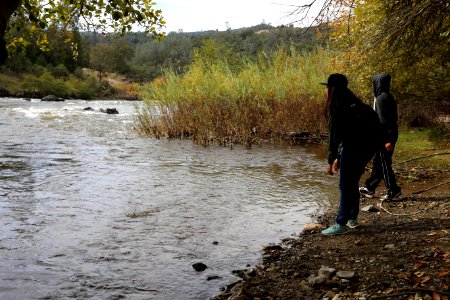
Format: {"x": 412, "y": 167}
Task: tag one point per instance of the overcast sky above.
{"x": 201, "y": 15}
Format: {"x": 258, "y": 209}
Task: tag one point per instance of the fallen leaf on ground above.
{"x": 426, "y": 279}
{"x": 419, "y": 273}
{"x": 443, "y": 274}
{"x": 418, "y": 264}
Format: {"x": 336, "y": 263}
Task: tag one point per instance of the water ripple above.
{"x": 91, "y": 210}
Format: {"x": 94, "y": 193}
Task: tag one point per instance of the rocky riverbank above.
{"x": 400, "y": 251}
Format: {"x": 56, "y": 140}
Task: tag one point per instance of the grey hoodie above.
{"x": 386, "y": 107}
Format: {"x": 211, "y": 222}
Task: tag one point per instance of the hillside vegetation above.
{"x": 252, "y": 84}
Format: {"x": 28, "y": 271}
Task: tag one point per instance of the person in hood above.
{"x": 386, "y": 108}
{"x": 349, "y": 119}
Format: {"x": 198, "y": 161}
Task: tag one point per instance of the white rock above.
{"x": 346, "y": 274}
{"x": 313, "y": 227}
{"x": 369, "y": 208}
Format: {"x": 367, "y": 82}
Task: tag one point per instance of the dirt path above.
{"x": 401, "y": 251}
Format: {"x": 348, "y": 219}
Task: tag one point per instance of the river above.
{"x": 88, "y": 209}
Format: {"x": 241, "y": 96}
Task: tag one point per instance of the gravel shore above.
{"x": 401, "y": 250}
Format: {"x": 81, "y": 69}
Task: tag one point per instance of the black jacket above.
{"x": 350, "y": 121}
{"x": 386, "y": 107}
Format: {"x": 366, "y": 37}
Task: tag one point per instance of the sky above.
{"x": 202, "y": 15}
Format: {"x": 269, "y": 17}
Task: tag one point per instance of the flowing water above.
{"x": 88, "y": 209}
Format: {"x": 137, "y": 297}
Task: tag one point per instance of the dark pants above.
{"x": 352, "y": 165}
{"x": 382, "y": 170}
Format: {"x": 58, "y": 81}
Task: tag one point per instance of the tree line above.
{"x": 407, "y": 38}
{"x": 143, "y": 57}
{"x": 138, "y": 56}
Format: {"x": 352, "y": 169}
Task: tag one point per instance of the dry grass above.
{"x": 215, "y": 102}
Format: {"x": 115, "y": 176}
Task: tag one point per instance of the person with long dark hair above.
{"x": 349, "y": 121}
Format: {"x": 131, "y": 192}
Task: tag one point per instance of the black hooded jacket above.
{"x": 386, "y": 107}
{"x": 349, "y": 121}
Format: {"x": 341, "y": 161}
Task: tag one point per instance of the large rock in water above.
{"x": 199, "y": 267}
{"x": 52, "y": 98}
{"x": 109, "y": 111}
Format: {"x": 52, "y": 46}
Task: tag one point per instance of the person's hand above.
{"x": 330, "y": 169}
{"x": 389, "y": 147}
{"x": 334, "y": 166}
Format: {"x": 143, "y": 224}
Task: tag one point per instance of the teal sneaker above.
{"x": 335, "y": 229}
{"x": 352, "y": 223}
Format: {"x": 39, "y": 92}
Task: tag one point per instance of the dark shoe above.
{"x": 391, "y": 196}
{"x": 365, "y": 192}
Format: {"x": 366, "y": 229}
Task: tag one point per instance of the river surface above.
{"x": 88, "y": 209}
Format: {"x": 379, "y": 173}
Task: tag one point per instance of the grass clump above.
{"x": 227, "y": 99}
{"x": 422, "y": 153}
{"x": 423, "y": 148}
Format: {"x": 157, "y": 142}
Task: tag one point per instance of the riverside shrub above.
{"x": 217, "y": 102}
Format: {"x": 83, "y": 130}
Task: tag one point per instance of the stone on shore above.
{"x": 313, "y": 227}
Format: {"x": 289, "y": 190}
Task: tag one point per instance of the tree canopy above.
{"x": 408, "y": 38}
{"x": 21, "y": 20}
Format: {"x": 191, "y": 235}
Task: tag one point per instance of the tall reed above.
{"x": 220, "y": 101}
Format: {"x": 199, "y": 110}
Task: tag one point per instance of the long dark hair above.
{"x": 338, "y": 96}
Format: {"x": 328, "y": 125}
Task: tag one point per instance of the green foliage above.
{"x": 78, "y": 73}
{"x": 144, "y": 58}
{"x": 176, "y": 51}
{"x": 20, "y": 62}
{"x": 415, "y": 143}
{"x": 32, "y": 18}
{"x": 30, "y": 85}
{"x": 60, "y": 53}
{"x": 60, "y": 71}
{"x": 216, "y": 101}
{"x": 87, "y": 88}
{"x": 100, "y": 58}
{"x": 405, "y": 38}
{"x": 45, "y": 84}
{"x": 8, "y": 83}
{"x": 38, "y": 70}
{"x": 440, "y": 136}
{"x": 121, "y": 53}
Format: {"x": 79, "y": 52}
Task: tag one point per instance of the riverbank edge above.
{"x": 265, "y": 280}
{"x": 130, "y": 99}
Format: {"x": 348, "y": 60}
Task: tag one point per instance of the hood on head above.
{"x": 381, "y": 83}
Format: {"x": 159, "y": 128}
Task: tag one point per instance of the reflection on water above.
{"x": 89, "y": 209}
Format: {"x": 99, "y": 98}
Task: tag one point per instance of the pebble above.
{"x": 389, "y": 246}
{"x": 329, "y": 295}
{"x": 370, "y": 208}
{"x": 346, "y": 274}
{"x": 317, "y": 280}
{"x": 326, "y": 271}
